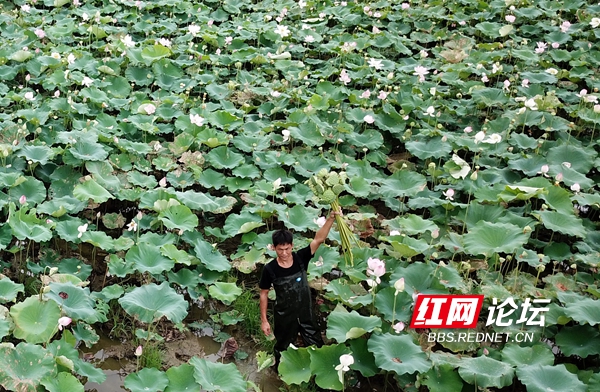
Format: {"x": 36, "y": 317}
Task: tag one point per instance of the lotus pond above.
{"x": 149, "y": 148}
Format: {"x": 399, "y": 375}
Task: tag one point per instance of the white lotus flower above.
{"x": 493, "y": 139}
{"x": 320, "y": 221}
{"x": 196, "y": 119}
{"x": 399, "y": 286}
{"x": 132, "y": 226}
{"x": 29, "y": 96}
{"x": 128, "y": 41}
{"x": 595, "y": 22}
{"x": 163, "y": 182}
{"x": 82, "y": 229}
{"x": 277, "y": 184}
{"x": 429, "y": 112}
{"x": 282, "y": 30}
{"x": 193, "y": 29}
{"x": 345, "y": 361}
{"x": 421, "y": 71}
{"x": 87, "y": 82}
{"x": 71, "y": 58}
{"x": 375, "y": 63}
{"x": 479, "y": 136}
{"x": 150, "y": 108}
{"x": 286, "y": 135}
{"x": 552, "y": 71}
{"x": 369, "y": 119}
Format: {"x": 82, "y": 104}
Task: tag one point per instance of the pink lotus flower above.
{"x": 449, "y": 194}
{"x": 398, "y": 327}
{"x": 22, "y": 199}
{"x": 138, "y": 351}
{"x": 40, "y": 33}
{"x": 510, "y": 18}
{"x": 375, "y": 268}
{"x": 369, "y": 119}
{"x": 63, "y": 322}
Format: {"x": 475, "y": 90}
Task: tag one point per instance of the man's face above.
{"x": 284, "y": 252}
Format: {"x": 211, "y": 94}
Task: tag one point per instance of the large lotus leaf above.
{"x": 545, "y": 378}
{"x": 35, "y": 321}
{"x": 225, "y": 292}
{"x": 26, "y": 225}
{"x": 476, "y": 212}
{"x": 151, "y": 302}
{"x": 402, "y": 183}
{"x": 90, "y": 189}
{"x": 177, "y": 255}
{"x": 224, "y": 120}
{"x": 242, "y": 223}
{"x": 323, "y": 361}
{"x": 486, "y": 372}
{"x": 294, "y": 367}
{"x": 417, "y": 276}
{"x": 74, "y": 301}
{"x": 63, "y": 382}
{"x": 364, "y": 361}
{"x": 205, "y": 202}
{"x": 343, "y": 326}
{"x": 534, "y": 355}
{"x": 249, "y": 259}
{"x": 559, "y": 199}
{"x": 9, "y": 290}
{"x": 181, "y": 379}
{"x": 442, "y": 378}
{"x": 155, "y": 52}
{"x": 23, "y": 367}
{"x": 209, "y": 256}
{"x": 580, "y": 340}
{"x": 179, "y": 217}
{"x": 98, "y": 239}
{"x": 5, "y": 236}
{"x": 88, "y": 151}
{"x": 34, "y": 190}
{"x": 562, "y": 223}
{"x": 580, "y": 157}
{"x": 398, "y": 354}
{"x": 487, "y": 238}
{"x": 410, "y": 224}
{"x": 409, "y": 246}
{"x": 579, "y": 308}
{"x": 299, "y": 217}
{"x": 369, "y": 138}
{"x": 147, "y": 258}
{"x": 224, "y": 158}
{"x": 384, "y": 302}
{"x": 147, "y": 379}
{"x": 60, "y": 206}
{"x": 217, "y": 376}
{"x": 431, "y": 148}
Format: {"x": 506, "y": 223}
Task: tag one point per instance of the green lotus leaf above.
{"x": 26, "y": 225}
{"x": 224, "y": 120}
{"x": 63, "y": 382}
{"x": 408, "y": 246}
{"x": 364, "y": 361}
{"x": 179, "y": 256}
{"x": 35, "y": 321}
{"x": 21, "y": 55}
{"x": 562, "y": 223}
{"x": 5, "y": 236}
{"x": 34, "y": 190}
{"x": 294, "y": 367}
{"x": 85, "y": 333}
{"x": 490, "y": 96}
{"x": 113, "y": 291}
{"x": 90, "y": 189}
{"x": 217, "y": 376}
{"x": 350, "y": 295}
{"x": 40, "y": 154}
{"x": 402, "y": 183}
{"x": 398, "y": 354}
{"x": 181, "y": 378}
{"x": 417, "y": 276}
{"x": 88, "y": 151}
{"x": 147, "y": 379}
{"x": 151, "y": 302}
{"x": 384, "y": 302}
{"x": 225, "y": 292}
{"x": 224, "y": 158}
{"x": 248, "y": 259}
{"x": 24, "y": 366}
{"x": 488, "y": 238}
{"x": 147, "y": 258}
{"x": 486, "y": 372}
{"x": 431, "y": 148}
{"x": 99, "y": 239}
{"x": 535, "y": 355}
{"x": 179, "y": 217}
{"x": 544, "y": 378}
{"x": 74, "y": 301}
{"x": 155, "y": 52}
{"x": 243, "y": 223}
{"x": 442, "y": 378}
{"x": 246, "y": 171}
{"x": 369, "y": 138}
{"x": 61, "y": 206}
{"x": 410, "y": 224}
{"x": 9, "y": 290}
{"x": 359, "y": 187}
{"x": 476, "y": 212}
{"x": 323, "y": 361}
{"x": 581, "y": 158}
{"x": 343, "y": 326}
{"x": 580, "y": 308}
{"x": 580, "y": 340}
{"x": 299, "y": 217}
{"x": 209, "y": 256}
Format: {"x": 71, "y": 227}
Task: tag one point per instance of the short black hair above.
{"x": 282, "y": 237}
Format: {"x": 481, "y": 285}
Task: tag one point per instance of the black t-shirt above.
{"x": 300, "y": 258}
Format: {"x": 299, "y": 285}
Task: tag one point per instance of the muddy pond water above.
{"x": 115, "y": 359}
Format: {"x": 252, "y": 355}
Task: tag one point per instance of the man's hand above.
{"x": 266, "y": 328}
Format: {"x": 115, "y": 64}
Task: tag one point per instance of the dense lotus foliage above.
{"x": 149, "y": 148}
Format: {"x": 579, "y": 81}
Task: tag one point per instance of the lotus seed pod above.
{"x": 322, "y": 173}
{"x": 337, "y": 189}
{"x": 333, "y": 179}
{"x": 328, "y": 196}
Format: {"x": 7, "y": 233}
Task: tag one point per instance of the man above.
{"x": 293, "y": 305}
